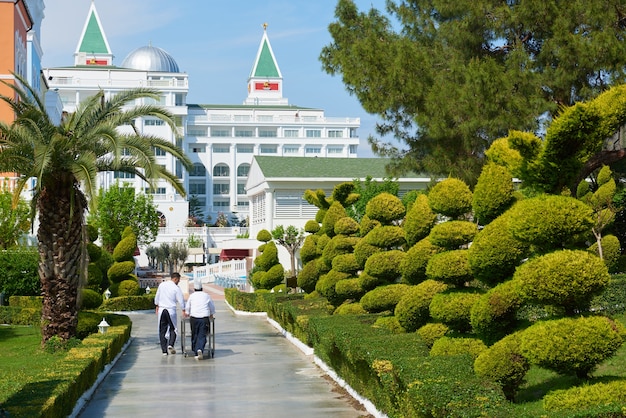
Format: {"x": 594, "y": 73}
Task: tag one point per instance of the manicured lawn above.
{"x": 23, "y": 364}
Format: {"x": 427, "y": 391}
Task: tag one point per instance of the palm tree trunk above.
{"x": 62, "y": 257}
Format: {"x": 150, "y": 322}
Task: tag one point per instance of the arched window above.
{"x": 243, "y": 170}
{"x": 198, "y": 170}
{"x": 221, "y": 170}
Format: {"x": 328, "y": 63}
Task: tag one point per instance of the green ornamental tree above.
{"x": 64, "y": 160}
{"x": 14, "y": 219}
{"x": 291, "y": 239}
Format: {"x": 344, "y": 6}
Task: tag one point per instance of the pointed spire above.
{"x": 265, "y": 83}
{"x": 93, "y": 47}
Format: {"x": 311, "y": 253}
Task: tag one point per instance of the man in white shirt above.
{"x": 200, "y": 308}
{"x": 167, "y": 297}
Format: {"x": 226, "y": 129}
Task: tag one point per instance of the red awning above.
{"x": 234, "y": 254}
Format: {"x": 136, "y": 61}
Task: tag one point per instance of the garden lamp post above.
{"x": 107, "y": 294}
{"x": 103, "y": 326}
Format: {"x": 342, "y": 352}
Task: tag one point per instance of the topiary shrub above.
{"x": 450, "y": 197}
{"x": 452, "y": 235}
{"x": 94, "y": 277}
{"x": 494, "y": 253}
{"x": 387, "y": 237}
{"x": 368, "y": 282}
{"x": 413, "y": 267}
{"x": 453, "y": 308}
{"x": 272, "y": 277}
{"x": 120, "y": 271}
{"x": 385, "y": 208}
{"x": 334, "y": 213}
{"x": 412, "y": 309}
{"x": 268, "y": 258}
{"x": 90, "y": 299}
{"x": 419, "y": 220}
{"x": 367, "y": 225}
{"x": 363, "y": 251}
{"x": 503, "y": 363}
{"x": 583, "y": 397}
{"x": 94, "y": 252}
{"x": 125, "y": 249}
{"x": 264, "y": 235}
{"x": 493, "y": 193}
{"x": 565, "y": 278}
{"x": 550, "y": 221}
{"x": 339, "y": 244}
{"x": 385, "y": 265}
{"x": 308, "y": 251}
{"x": 346, "y": 263}
{"x": 389, "y": 323}
{"x": 311, "y": 226}
{"x": 354, "y": 308}
{"x": 308, "y": 276}
{"x": 572, "y": 345}
{"x": 448, "y": 346}
{"x": 349, "y": 289}
{"x": 346, "y": 226}
{"x": 326, "y": 286}
{"x": 383, "y": 298}
{"x": 450, "y": 267}
{"x": 611, "y": 252}
{"x": 129, "y": 288}
{"x": 432, "y": 332}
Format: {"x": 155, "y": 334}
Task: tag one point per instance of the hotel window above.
{"x": 245, "y": 149}
{"x": 220, "y": 132}
{"x": 313, "y": 150}
{"x": 198, "y": 170}
{"x": 197, "y": 148}
{"x": 243, "y": 170}
{"x": 154, "y": 122}
{"x": 267, "y": 133}
{"x": 179, "y": 99}
{"x": 221, "y": 170}
{"x": 291, "y": 149}
{"x": 241, "y": 188}
{"x": 243, "y": 204}
{"x": 221, "y": 188}
{"x": 158, "y": 152}
{"x": 335, "y": 150}
{"x": 313, "y": 133}
{"x": 291, "y": 133}
{"x": 334, "y": 133}
{"x": 221, "y": 148}
{"x": 242, "y": 118}
{"x": 123, "y": 175}
{"x": 196, "y": 131}
{"x": 353, "y": 149}
{"x": 353, "y": 133}
{"x": 220, "y": 204}
{"x": 197, "y": 187}
{"x": 156, "y": 191}
{"x": 269, "y": 149}
{"x": 243, "y": 133}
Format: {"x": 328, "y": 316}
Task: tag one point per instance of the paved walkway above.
{"x": 256, "y": 372}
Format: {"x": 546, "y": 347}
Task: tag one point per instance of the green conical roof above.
{"x": 93, "y": 41}
{"x": 266, "y": 66}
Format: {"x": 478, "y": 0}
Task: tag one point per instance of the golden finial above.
{"x": 264, "y": 26}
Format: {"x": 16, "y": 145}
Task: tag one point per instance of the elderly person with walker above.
{"x": 200, "y": 309}
{"x": 167, "y": 297}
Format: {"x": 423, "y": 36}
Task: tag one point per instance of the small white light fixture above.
{"x": 103, "y": 326}
{"x": 107, "y": 294}
{"x": 147, "y": 290}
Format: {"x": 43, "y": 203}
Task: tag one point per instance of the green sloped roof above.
{"x": 93, "y": 40}
{"x": 350, "y": 168}
{"x": 266, "y": 67}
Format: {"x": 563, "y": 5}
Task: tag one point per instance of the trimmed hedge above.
{"x": 582, "y": 397}
{"x": 453, "y": 308}
{"x": 448, "y": 346}
{"x": 432, "y": 332}
{"x": 128, "y": 303}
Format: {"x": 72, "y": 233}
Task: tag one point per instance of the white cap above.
{"x": 197, "y": 285}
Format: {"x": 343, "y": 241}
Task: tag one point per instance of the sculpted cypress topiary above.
{"x": 451, "y": 197}
{"x": 383, "y": 298}
{"x": 419, "y": 220}
{"x": 385, "y": 208}
{"x": 453, "y": 234}
{"x": 450, "y": 267}
{"x": 413, "y": 309}
{"x": 493, "y": 193}
{"x": 453, "y": 308}
{"x": 413, "y": 266}
{"x": 385, "y": 266}
{"x": 448, "y": 346}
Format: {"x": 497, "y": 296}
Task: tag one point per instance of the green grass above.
{"x": 23, "y": 363}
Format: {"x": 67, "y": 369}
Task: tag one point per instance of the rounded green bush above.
{"x": 345, "y": 263}
{"x": 453, "y": 308}
{"x": 503, "y": 363}
{"x": 451, "y": 197}
{"x": 450, "y": 267}
{"x": 273, "y": 277}
{"x": 412, "y": 309}
{"x": 413, "y": 267}
{"x": 387, "y": 237}
{"x": 308, "y": 251}
{"x": 311, "y": 226}
{"x": 326, "y": 286}
{"x": 448, "y": 346}
{"x": 432, "y": 332}
{"x": 550, "y": 221}
{"x": 452, "y": 235}
{"x": 346, "y": 226}
{"x": 94, "y": 251}
{"x": 90, "y": 299}
{"x": 319, "y": 215}
{"x": 419, "y": 220}
{"x": 363, "y": 251}
{"x": 611, "y": 252}
{"x": 494, "y": 314}
{"x": 94, "y": 277}
{"x": 125, "y": 249}
{"x": 92, "y": 233}
{"x": 308, "y": 276}
{"x": 339, "y": 244}
{"x": 127, "y": 232}
{"x": 367, "y": 225}
{"x": 129, "y": 288}
{"x": 383, "y": 298}
{"x": 385, "y": 265}
{"x": 268, "y": 258}
{"x": 368, "y": 282}
{"x": 494, "y": 253}
{"x": 264, "y": 235}
{"x": 572, "y": 345}
{"x": 354, "y": 308}
{"x": 580, "y": 398}
{"x": 349, "y": 289}
{"x": 120, "y": 271}
{"x": 389, "y": 323}
{"x": 385, "y": 208}
{"x": 567, "y": 278}
{"x": 493, "y": 193}
{"x": 334, "y": 213}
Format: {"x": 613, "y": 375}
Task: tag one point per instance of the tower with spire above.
{"x": 93, "y": 46}
{"x": 265, "y": 83}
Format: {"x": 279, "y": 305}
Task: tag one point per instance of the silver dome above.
{"x": 150, "y": 58}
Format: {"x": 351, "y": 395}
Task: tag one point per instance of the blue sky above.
{"x": 215, "y": 42}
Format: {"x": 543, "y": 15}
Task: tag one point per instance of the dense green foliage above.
{"x": 493, "y": 193}
{"x": 453, "y": 234}
{"x": 14, "y": 219}
{"x": 412, "y": 309}
{"x": 451, "y": 197}
{"x": 18, "y": 272}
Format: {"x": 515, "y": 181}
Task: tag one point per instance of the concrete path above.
{"x": 256, "y": 372}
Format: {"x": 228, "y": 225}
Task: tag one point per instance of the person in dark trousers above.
{"x": 200, "y": 309}
{"x": 168, "y": 296}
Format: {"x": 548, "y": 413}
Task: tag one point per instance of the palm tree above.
{"x": 64, "y": 160}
